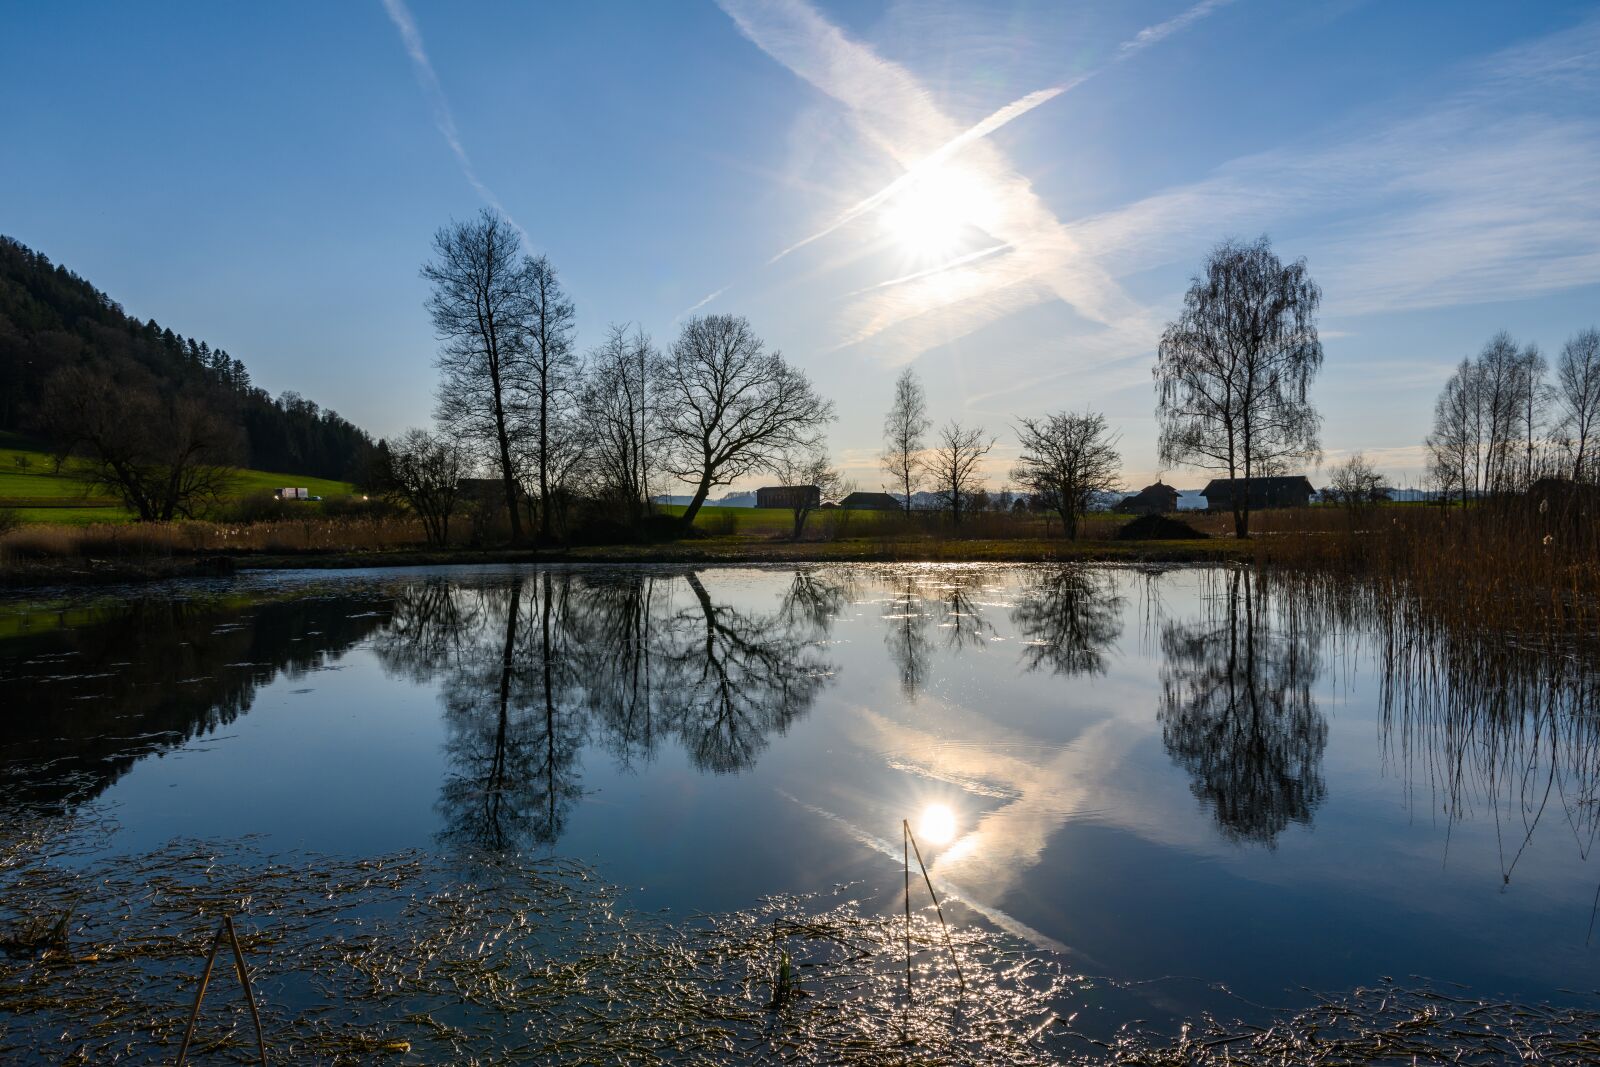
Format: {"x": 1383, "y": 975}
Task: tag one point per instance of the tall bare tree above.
{"x": 1578, "y": 393}
{"x": 481, "y": 310}
{"x": 955, "y": 465}
{"x": 618, "y": 404}
{"x": 551, "y": 384}
{"x": 425, "y": 471}
{"x": 1234, "y": 370}
{"x": 1488, "y": 421}
{"x": 729, "y": 407}
{"x": 1454, "y": 447}
{"x": 1066, "y": 460}
{"x": 904, "y": 434}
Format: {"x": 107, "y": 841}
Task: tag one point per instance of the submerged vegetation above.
{"x": 414, "y": 958}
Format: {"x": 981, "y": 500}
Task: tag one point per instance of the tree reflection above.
{"x": 512, "y": 739}
{"x": 738, "y": 679}
{"x": 534, "y": 669}
{"x": 905, "y": 635}
{"x": 91, "y": 691}
{"x": 1237, "y": 711}
{"x": 1069, "y": 617}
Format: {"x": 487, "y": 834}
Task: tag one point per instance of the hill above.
{"x": 52, "y": 320}
{"x": 35, "y": 491}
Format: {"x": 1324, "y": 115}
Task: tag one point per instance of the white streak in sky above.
{"x": 1016, "y": 109}
{"x": 959, "y": 261}
{"x": 802, "y": 21}
{"x": 411, "y": 37}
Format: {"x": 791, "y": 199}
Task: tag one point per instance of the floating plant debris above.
{"x": 420, "y": 958}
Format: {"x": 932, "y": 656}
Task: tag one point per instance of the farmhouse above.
{"x": 870, "y": 502}
{"x": 1293, "y": 491}
{"x": 788, "y": 496}
{"x": 1157, "y": 499}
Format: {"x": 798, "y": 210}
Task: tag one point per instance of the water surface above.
{"x": 1195, "y": 776}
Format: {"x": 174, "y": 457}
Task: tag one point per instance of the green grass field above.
{"x": 32, "y": 489}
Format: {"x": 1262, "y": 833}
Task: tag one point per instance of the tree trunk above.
{"x": 700, "y": 494}
{"x": 544, "y": 460}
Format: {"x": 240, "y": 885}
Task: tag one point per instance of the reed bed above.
{"x": 1516, "y": 566}
{"x": 414, "y": 958}
{"x": 146, "y": 540}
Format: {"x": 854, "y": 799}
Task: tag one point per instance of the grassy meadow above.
{"x": 34, "y": 491}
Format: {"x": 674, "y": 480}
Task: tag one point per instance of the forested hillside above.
{"x": 53, "y": 321}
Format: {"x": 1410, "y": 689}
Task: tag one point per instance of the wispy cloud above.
{"x": 1489, "y": 193}
{"x": 443, "y": 118}
{"x": 901, "y": 117}
{"x": 894, "y": 111}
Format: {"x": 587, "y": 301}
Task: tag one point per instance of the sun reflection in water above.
{"x": 936, "y": 825}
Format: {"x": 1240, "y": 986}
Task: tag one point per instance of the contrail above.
{"x": 400, "y": 15}
{"x": 1146, "y": 37}
{"x": 959, "y": 261}
{"x": 1016, "y": 109}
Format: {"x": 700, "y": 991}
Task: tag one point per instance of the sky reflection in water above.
{"x": 1191, "y": 773}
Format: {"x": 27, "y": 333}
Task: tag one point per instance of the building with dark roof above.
{"x": 1292, "y": 491}
{"x": 871, "y": 502}
{"x": 1157, "y": 499}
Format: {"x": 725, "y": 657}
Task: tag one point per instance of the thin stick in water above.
{"x": 948, "y": 944}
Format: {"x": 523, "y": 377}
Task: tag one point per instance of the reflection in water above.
{"x": 537, "y": 667}
{"x": 905, "y": 633}
{"x": 1237, "y": 712}
{"x": 1492, "y": 727}
{"x": 936, "y": 825}
{"x": 539, "y": 671}
{"x": 88, "y": 694}
{"x": 1068, "y": 618}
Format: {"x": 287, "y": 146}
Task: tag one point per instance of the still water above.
{"x": 1187, "y": 777}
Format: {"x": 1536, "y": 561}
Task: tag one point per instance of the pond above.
{"x": 1188, "y": 780}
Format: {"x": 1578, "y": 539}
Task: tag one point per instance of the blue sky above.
{"x": 268, "y": 177}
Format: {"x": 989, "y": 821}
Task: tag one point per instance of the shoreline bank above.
{"x": 24, "y": 574}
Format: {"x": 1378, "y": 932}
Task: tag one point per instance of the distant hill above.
{"x": 731, "y": 500}
{"x": 52, "y": 319}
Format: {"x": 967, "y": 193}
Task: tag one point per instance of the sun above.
{"x": 936, "y": 825}
{"x": 932, "y": 218}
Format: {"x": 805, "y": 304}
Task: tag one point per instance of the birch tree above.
{"x": 1234, "y": 370}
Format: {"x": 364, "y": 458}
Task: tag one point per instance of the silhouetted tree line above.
{"x": 575, "y": 442}
{"x": 61, "y": 338}
{"x": 1502, "y": 421}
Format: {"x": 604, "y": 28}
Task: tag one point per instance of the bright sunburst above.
{"x": 936, "y": 825}
{"x": 930, "y": 219}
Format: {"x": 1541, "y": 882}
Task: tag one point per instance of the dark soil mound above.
{"x": 1159, "y": 528}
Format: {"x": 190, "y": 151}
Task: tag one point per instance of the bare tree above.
{"x": 481, "y": 308}
{"x": 163, "y": 457}
{"x": 551, "y": 383}
{"x": 425, "y": 471}
{"x": 904, "y": 430}
{"x": 617, "y": 403}
{"x": 1234, "y": 370}
{"x": 1491, "y": 410}
{"x": 1533, "y": 405}
{"x": 1453, "y": 446}
{"x": 954, "y": 465}
{"x": 729, "y": 407}
{"x": 1356, "y": 484}
{"x": 807, "y": 467}
{"x": 1066, "y": 460}
{"x": 1578, "y": 393}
